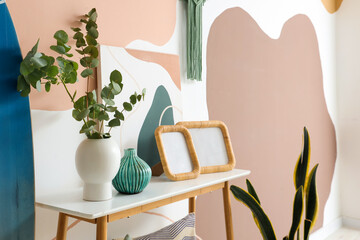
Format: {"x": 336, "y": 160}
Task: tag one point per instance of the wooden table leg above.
{"x": 192, "y": 205}
{"x": 101, "y": 228}
{"x": 227, "y": 210}
{"x": 62, "y": 227}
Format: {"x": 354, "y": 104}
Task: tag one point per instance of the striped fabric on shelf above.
{"x": 184, "y": 229}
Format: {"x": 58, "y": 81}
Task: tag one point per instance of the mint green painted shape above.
{"x": 147, "y": 149}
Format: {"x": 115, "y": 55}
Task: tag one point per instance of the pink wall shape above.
{"x": 266, "y": 90}
{"x": 170, "y": 62}
{"x": 120, "y": 22}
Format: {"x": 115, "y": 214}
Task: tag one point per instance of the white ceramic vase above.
{"x": 97, "y": 162}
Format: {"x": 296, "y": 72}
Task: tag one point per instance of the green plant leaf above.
{"x": 26, "y": 68}
{"x": 116, "y": 89}
{"x": 47, "y": 86}
{"x": 80, "y": 115}
{"x": 22, "y": 86}
{"x": 302, "y": 164}
{"x": 94, "y": 63}
{"x": 38, "y": 62}
{"x": 80, "y": 104}
{"x": 119, "y": 115}
{"x": 133, "y": 99}
{"x": 103, "y": 116}
{"x": 311, "y": 197}
{"x": 92, "y": 51}
{"x": 109, "y": 101}
{"x": 52, "y": 71}
{"x": 90, "y": 40}
{"x": 80, "y": 42}
{"x": 139, "y": 97}
{"x": 90, "y": 24}
{"x": 307, "y": 226}
{"x": 93, "y": 32}
{"x": 76, "y": 29}
{"x": 88, "y": 126}
{"x": 127, "y": 106}
{"x": 87, "y": 72}
{"x": 106, "y": 93}
{"x": 78, "y": 35}
{"x": 114, "y": 123}
{"x": 95, "y": 135}
{"x": 58, "y": 49}
{"x": 297, "y": 212}
{"x": 143, "y": 93}
{"x": 111, "y": 109}
{"x": 266, "y": 228}
{"x": 61, "y": 36}
{"x": 116, "y": 76}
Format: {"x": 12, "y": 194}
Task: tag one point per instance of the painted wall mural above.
{"x": 155, "y": 26}
{"x": 161, "y": 91}
{"x": 332, "y": 5}
{"x": 269, "y": 90}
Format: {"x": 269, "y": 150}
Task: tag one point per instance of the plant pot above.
{"x": 97, "y": 162}
{"x": 134, "y": 174}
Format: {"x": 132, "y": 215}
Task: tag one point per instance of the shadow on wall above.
{"x": 266, "y": 91}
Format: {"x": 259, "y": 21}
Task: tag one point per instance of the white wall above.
{"x": 348, "y": 88}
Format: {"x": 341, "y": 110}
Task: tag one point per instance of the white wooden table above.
{"x": 160, "y": 191}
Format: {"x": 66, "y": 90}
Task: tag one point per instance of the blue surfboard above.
{"x": 17, "y": 210}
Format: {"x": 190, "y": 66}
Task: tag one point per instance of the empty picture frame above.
{"x": 212, "y": 145}
{"x": 177, "y": 152}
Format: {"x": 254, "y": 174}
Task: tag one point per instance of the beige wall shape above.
{"x": 332, "y": 5}
{"x": 120, "y": 22}
{"x": 266, "y": 90}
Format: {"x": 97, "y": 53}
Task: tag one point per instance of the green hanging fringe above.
{"x": 194, "y": 39}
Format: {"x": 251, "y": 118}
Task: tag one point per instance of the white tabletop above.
{"x": 71, "y": 202}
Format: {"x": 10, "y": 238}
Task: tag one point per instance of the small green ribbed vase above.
{"x": 134, "y": 173}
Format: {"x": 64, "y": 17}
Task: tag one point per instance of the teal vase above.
{"x": 134, "y": 173}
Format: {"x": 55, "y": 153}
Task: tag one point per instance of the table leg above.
{"x": 62, "y": 227}
{"x": 192, "y": 206}
{"x": 227, "y": 210}
{"x": 101, "y": 228}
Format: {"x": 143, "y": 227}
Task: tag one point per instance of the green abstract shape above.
{"x": 147, "y": 149}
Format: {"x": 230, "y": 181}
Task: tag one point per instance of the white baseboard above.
{"x": 351, "y": 222}
{"x": 329, "y": 229}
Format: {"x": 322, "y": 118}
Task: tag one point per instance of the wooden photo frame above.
{"x": 177, "y": 152}
{"x": 212, "y": 145}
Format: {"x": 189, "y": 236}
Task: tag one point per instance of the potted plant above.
{"x": 306, "y": 199}
{"x": 98, "y": 156}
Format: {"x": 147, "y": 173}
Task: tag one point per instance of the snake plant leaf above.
{"x": 297, "y": 212}
{"x": 302, "y": 165}
{"x": 252, "y": 191}
{"x": 311, "y": 197}
{"x": 266, "y": 228}
{"x": 286, "y": 238}
{"x": 307, "y": 226}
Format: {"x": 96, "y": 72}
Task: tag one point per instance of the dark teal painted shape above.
{"x": 17, "y": 210}
{"x": 147, "y": 149}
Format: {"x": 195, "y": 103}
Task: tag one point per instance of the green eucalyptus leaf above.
{"x": 47, "y": 86}
{"x": 58, "y": 49}
{"x": 116, "y": 76}
{"x": 80, "y": 115}
{"x": 61, "y": 62}
{"x": 26, "y": 68}
{"x": 93, "y": 16}
{"x": 111, "y": 109}
{"x": 90, "y": 24}
{"x": 80, "y": 104}
{"x": 103, "y": 116}
{"x": 61, "y": 36}
{"x": 75, "y": 65}
{"x": 93, "y": 10}
{"x": 93, "y": 32}
{"x": 76, "y": 29}
{"x": 90, "y": 40}
{"x": 22, "y": 85}
{"x": 95, "y": 135}
{"x": 50, "y": 60}
{"x": 69, "y": 54}
{"x": 38, "y": 86}
{"x": 127, "y": 106}
{"x": 109, "y": 101}
{"x": 87, "y": 72}
{"x": 52, "y": 71}
{"x": 139, "y": 97}
{"x": 39, "y": 62}
{"x": 78, "y": 35}
{"x": 34, "y": 77}
{"x": 119, "y": 115}
{"x": 116, "y": 87}
{"x": 133, "y": 99}
{"x": 80, "y": 51}
{"x": 80, "y": 42}
{"x": 106, "y": 93}
{"x": 114, "y": 123}
{"x": 94, "y": 63}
